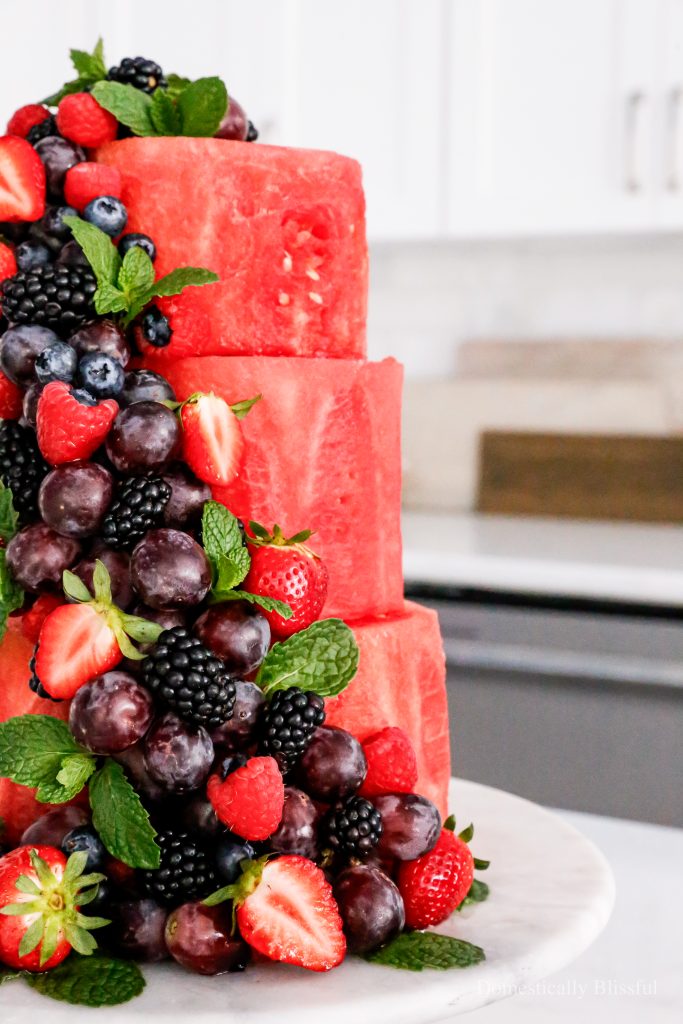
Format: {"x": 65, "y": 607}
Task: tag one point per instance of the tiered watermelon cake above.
{"x": 198, "y": 694}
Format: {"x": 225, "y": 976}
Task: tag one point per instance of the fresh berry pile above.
{"x": 190, "y": 646}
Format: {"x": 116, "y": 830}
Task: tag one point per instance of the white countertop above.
{"x": 634, "y": 971}
{"x": 629, "y": 562}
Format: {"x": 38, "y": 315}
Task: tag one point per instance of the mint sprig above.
{"x": 322, "y": 658}
{"x": 187, "y": 108}
{"x": 417, "y": 951}
{"x": 90, "y": 981}
{"x": 9, "y": 517}
{"x": 36, "y": 749}
{"x": 122, "y": 822}
{"x": 90, "y": 68}
{"x": 11, "y": 594}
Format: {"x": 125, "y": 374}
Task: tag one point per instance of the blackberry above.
{"x": 35, "y": 685}
{"x": 289, "y": 722}
{"x": 190, "y": 679}
{"x": 43, "y": 129}
{"x": 22, "y": 467}
{"x": 138, "y": 71}
{"x": 138, "y": 507}
{"x": 56, "y": 297}
{"x": 354, "y": 827}
{"x": 185, "y": 873}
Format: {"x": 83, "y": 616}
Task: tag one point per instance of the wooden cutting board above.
{"x": 581, "y": 476}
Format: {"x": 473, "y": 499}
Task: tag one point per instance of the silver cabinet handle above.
{"x": 632, "y": 171}
{"x": 673, "y": 114}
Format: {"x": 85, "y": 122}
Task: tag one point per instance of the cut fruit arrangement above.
{"x": 220, "y": 741}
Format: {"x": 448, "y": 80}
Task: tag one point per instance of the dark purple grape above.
{"x": 71, "y": 255}
{"x": 38, "y": 556}
{"x": 137, "y": 930}
{"x": 145, "y": 386}
{"x": 145, "y": 436}
{"x": 21, "y": 346}
{"x": 198, "y": 815}
{"x": 51, "y": 229}
{"x": 237, "y": 633}
{"x": 117, "y": 564}
{"x": 411, "y": 825}
{"x": 370, "y": 906}
{"x": 333, "y": 766}
{"x": 51, "y": 827}
{"x": 234, "y": 124}
{"x": 200, "y": 938}
{"x": 170, "y": 570}
{"x": 58, "y": 156}
{"x": 111, "y": 713}
{"x": 84, "y": 839}
{"x": 231, "y": 850}
{"x": 240, "y": 731}
{"x": 30, "y": 405}
{"x": 74, "y": 497}
{"x": 133, "y": 760}
{"x": 101, "y": 336}
{"x": 169, "y": 618}
{"x": 178, "y": 756}
{"x": 188, "y": 497}
{"x": 298, "y": 829}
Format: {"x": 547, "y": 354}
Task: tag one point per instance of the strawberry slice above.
{"x": 213, "y": 442}
{"x": 68, "y": 430}
{"x": 286, "y": 911}
{"x": 22, "y": 181}
{"x": 75, "y": 645}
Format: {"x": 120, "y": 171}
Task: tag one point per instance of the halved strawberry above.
{"x": 213, "y": 442}
{"x": 22, "y": 181}
{"x": 286, "y": 911}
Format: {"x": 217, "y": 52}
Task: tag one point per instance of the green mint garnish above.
{"x": 36, "y": 749}
{"x": 164, "y": 114}
{"x": 415, "y": 951}
{"x": 193, "y": 108}
{"x": 90, "y": 981}
{"x": 269, "y": 604}
{"x": 322, "y": 658}
{"x": 9, "y": 517}
{"x": 478, "y": 892}
{"x": 90, "y": 68}
{"x": 129, "y": 105}
{"x": 122, "y": 822}
{"x": 223, "y": 544}
{"x": 202, "y": 106}
{"x": 11, "y": 594}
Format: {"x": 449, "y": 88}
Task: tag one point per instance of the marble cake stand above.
{"x": 552, "y": 893}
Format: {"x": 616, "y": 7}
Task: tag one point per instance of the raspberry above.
{"x": 68, "y": 430}
{"x": 354, "y": 827}
{"x": 81, "y": 119}
{"x": 25, "y": 118}
{"x": 86, "y": 181}
{"x": 250, "y": 800}
{"x": 392, "y": 763}
{"x": 185, "y": 872}
{"x": 138, "y": 507}
{"x": 290, "y": 720}
{"x": 11, "y": 399}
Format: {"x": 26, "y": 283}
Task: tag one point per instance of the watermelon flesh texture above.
{"x": 401, "y": 681}
{"x": 18, "y": 806}
{"x": 284, "y": 229}
{"x": 322, "y": 453}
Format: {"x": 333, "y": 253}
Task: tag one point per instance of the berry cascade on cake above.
{"x": 214, "y": 700}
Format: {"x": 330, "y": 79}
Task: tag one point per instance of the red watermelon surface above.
{"x": 401, "y": 681}
{"x": 18, "y": 807}
{"x": 322, "y": 453}
{"x": 283, "y": 228}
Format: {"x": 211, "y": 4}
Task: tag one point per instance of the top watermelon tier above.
{"x": 284, "y": 229}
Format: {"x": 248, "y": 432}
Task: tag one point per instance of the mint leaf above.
{"x": 11, "y": 594}
{"x": 100, "y": 251}
{"x": 415, "y": 951}
{"x": 129, "y": 105}
{"x": 121, "y": 820}
{"x": 32, "y": 749}
{"x": 90, "y": 981}
{"x": 183, "y": 277}
{"x": 67, "y": 90}
{"x": 110, "y": 299}
{"x": 176, "y": 85}
{"x": 136, "y": 277}
{"x": 8, "y": 515}
{"x": 223, "y": 544}
{"x": 241, "y": 409}
{"x": 164, "y": 113}
{"x": 202, "y": 105}
{"x": 269, "y": 604}
{"x": 89, "y": 66}
{"x": 322, "y": 659}
{"x": 75, "y": 771}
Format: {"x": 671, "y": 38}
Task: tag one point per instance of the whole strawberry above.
{"x": 68, "y": 429}
{"x": 435, "y": 884}
{"x": 287, "y": 570}
{"x": 40, "y": 921}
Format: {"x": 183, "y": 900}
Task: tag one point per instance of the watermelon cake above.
{"x": 223, "y": 732}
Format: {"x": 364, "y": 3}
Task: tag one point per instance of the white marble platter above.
{"x": 552, "y": 893}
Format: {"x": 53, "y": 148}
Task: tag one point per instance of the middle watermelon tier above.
{"x": 323, "y": 452}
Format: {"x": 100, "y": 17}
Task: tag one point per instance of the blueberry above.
{"x": 108, "y": 214}
{"x": 56, "y": 362}
{"x": 230, "y": 852}
{"x": 83, "y": 397}
{"x": 155, "y": 327}
{"x": 136, "y": 238}
{"x": 101, "y": 375}
{"x": 84, "y": 839}
{"x": 31, "y": 254}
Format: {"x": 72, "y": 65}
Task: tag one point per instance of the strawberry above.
{"x": 436, "y": 883}
{"x": 32, "y": 620}
{"x": 213, "y": 443}
{"x": 22, "y": 181}
{"x": 285, "y": 569}
{"x": 39, "y": 916}
{"x": 285, "y": 910}
{"x": 81, "y": 119}
{"x": 250, "y": 800}
{"x": 25, "y": 118}
{"x": 68, "y": 430}
{"x": 8, "y": 264}
{"x": 392, "y": 763}
{"x": 11, "y": 397}
{"x": 86, "y": 181}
